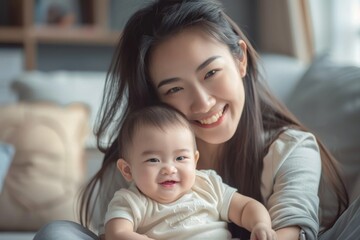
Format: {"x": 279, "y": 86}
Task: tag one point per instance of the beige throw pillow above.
{"x": 43, "y": 180}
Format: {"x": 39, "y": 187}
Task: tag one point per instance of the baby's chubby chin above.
{"x": 213, "y": 120}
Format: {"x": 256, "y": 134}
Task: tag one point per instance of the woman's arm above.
{"x": 252, "y": 212}
{"x": 119, "y": 228}
{"x": 252, "y": 215}
{"x": 290, "y": 182}
{"x": 288, "y": 233}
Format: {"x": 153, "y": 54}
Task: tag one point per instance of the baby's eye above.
{"x": 180, "y": 158}
{"x": 210, "y": 73}
{"x": 153, "y": 160}
{"x": 173, "y": 90}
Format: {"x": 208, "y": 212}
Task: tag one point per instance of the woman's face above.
{"x": 199, "y": 76}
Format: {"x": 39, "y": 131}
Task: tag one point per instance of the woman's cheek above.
{"x": 178, "y": 102}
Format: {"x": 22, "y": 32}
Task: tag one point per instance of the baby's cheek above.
{"x": 148, "y": 177}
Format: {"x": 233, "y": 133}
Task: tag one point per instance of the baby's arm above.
{"x": 120, "y": 228}
{"x": 252, "y": 215}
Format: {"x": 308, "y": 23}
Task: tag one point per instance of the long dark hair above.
{"x": 128, "y": 88}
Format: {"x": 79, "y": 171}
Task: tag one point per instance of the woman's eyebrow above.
{"x": 200, "y": 67}
{"x": 167, "y": 81}
{"x": 206, "y": 62}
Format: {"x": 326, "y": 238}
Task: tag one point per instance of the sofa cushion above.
{"x": 327, "y": 101}
{"x": 282, "y": 73}
{"x": 43, "y": 180}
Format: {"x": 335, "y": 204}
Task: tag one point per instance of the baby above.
{"x": 168, "y": 198}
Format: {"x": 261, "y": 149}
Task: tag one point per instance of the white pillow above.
{"x": 64, "y": 87}
{"x": 327, "y": 100}
{"x": 43, "y": 181}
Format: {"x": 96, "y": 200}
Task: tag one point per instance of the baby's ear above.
{"x": 125, "y": 169}
{"x": 197, "y": 155}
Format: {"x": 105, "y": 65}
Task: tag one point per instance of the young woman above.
{"x": 190, "y": 54}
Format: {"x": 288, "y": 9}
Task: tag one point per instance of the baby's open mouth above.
{"x": 168, "y": 183}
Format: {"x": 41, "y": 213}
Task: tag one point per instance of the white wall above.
{"x": 321, "y": 17}
{"x": 337, "y": 29}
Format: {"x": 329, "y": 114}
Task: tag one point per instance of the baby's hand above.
{"x": 146, "y": 237}
{"x": 262, "y": 231}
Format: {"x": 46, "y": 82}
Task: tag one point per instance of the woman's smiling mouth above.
{"x": 213, "y": 120}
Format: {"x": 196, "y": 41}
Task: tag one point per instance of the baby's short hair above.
{"x": 158, "y": 116}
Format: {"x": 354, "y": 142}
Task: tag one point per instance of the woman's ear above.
{"x": 125, "y": 169}
{"x": 243, "y": 58}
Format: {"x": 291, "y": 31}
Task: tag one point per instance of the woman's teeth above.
{"x": 212, "y": 119}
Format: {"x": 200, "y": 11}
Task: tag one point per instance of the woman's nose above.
{"x": 168, "y": 169}
{"x": 202, "y": 100}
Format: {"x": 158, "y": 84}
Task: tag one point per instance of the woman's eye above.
{"x": 173, "y": 90}
{"x": 153, "y": 160}
{"x": 210, "y": 73}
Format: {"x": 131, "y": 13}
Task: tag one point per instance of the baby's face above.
{"x": 163, "y": 163}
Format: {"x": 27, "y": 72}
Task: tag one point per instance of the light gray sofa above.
{"x": 324, "y": 95}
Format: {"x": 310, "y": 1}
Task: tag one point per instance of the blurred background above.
{"x": 67, "y": 34}
{"x": 54, "y": 55}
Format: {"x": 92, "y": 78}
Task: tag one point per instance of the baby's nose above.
{"x": 168, "y": 169}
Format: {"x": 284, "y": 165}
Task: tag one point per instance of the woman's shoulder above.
{"x": 289, "y": 143}
{"x": 291, "y": 139}
{"x": 292, "y": 136}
